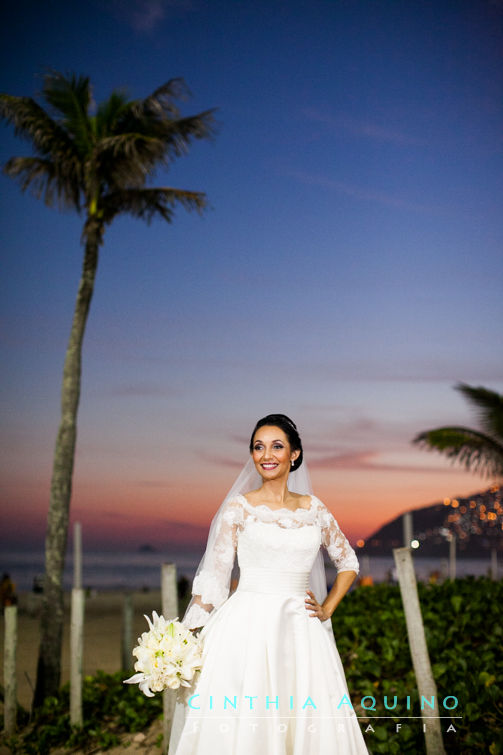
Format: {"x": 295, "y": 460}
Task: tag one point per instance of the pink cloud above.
{"x": 368, "y": 460}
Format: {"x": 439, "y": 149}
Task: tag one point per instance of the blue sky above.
{"x": 348, "y": 272}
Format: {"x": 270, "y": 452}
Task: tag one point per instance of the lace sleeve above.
{"x": 338, "y": 548}
{"x": 211, "y": 584}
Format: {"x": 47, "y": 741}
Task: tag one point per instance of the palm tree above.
{"x": 479, "y": 450}
{"x": 96, "y": 161}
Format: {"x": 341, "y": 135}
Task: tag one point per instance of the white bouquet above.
{"x": 168, "y": 656}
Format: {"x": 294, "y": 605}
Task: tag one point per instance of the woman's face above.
{"x": 271, "y": 452}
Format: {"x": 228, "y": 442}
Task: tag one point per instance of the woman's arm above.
{"x": 340, "y": 587}
{"x": 342, "y": 556}
{"x": 211, "y": 585}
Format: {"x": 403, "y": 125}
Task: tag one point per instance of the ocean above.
{"x": 134, "y": 570}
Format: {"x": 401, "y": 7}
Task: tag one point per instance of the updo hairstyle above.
{"x": 290, "y": 430}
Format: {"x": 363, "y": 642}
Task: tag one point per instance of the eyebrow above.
{"x": 278, "y": 440}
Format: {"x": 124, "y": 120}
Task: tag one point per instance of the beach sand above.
{"x": 102, "y": 651}
{"x": 102, "y": 635}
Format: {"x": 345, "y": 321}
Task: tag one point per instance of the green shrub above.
{"x": 464, "y": 636}
{"x": 462, "y": 620}
{"x": 110, "y": 708}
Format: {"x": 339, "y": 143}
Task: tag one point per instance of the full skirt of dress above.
{"x": 272, "y": 681}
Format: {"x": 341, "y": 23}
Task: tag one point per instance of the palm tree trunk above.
{"x": 51, "y": 622}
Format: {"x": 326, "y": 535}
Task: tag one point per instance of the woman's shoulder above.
{"x": 302, "y": 500}
{"x": 235, "y": 501}
{"x": 233, "y": 508}
{"x": 318, "y": 503}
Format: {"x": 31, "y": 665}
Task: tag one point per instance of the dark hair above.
{"x": 290, "y": 430}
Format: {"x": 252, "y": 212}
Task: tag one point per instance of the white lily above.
{"x": 168, "y": 656}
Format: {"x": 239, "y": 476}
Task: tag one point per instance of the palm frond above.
{"x": 103, "y": 159}
{"x": 109, "y": 112}
{"x": 125, "y": 160}
{"x": 179, "y": 134}
{"x": 149, "y": 203}
{"x": 32, "y": 122}
{"x": 70, "y": 97}
{"x": 476, "y": 451}
{"x": 135, "y": 137}
{"x": 489, "y": 405}
{"x": 43, "y": 178}
{"x": 161, "y": 103}
{"x": 158, "y": 116}
{"x": 52, "y": 145}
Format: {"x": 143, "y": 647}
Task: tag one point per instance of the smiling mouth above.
{"x": 269, "y": 466}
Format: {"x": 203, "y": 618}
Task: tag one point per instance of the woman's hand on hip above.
{"x": 318, "y": 610}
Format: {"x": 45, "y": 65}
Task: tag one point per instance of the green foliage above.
{"x": 464, "y": 636}
{"x": 478, "y": 451}
{"x": 102, "y": 161}
{"x": 110, "y": 708}
{"x": 98, "y": 162}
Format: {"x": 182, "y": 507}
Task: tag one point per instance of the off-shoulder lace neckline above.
{"x": 283, "y": 508}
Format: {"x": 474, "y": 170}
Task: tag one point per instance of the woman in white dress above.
{"x": 272, "y": 682}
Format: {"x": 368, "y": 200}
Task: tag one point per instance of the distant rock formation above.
{"x": 476, "y": 521}
{"x": 147, "y": 548}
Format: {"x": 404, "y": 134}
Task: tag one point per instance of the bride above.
{"x": 272, "y": 681}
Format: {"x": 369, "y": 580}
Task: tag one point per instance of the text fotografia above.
{"x": 271, "y": 702}
{"x": 311, "y": 727}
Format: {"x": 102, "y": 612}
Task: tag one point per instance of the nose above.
{"x": 267, "y": 454}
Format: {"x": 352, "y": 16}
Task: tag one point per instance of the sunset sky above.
{"x": 348, "y": 273}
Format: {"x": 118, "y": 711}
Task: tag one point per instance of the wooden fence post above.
{"x": 452, "y": 556}
{"x": 494, "y": 563}
{"x": 127, "y": 632}
{"x": 169, "y": 611}
{"x": 365, "y": 570}
{"x": 9, "y": 670}
{"x": 77, "y": 556}
{"x": 426, "y": 685}
{"x": 76, "y": 632}
{"x": 76, "y": 655}
{"x": 407, "y": 528}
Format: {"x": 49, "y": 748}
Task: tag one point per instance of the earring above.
{"x": 293, "y": 462}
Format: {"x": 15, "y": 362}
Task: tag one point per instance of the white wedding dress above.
{"x": 272, "y": 681}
